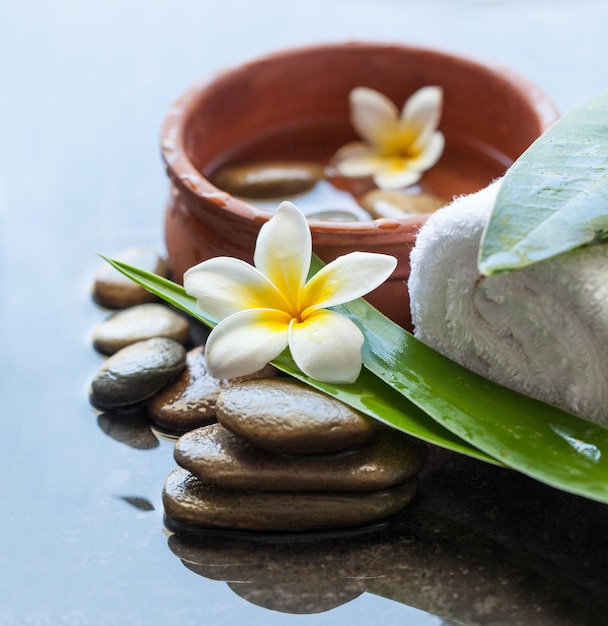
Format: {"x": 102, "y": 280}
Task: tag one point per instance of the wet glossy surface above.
{"x": 85, "y": 86}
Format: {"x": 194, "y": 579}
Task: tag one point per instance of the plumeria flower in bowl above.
{"x": 397, "y": 147}
{"x": 269, "y": 306}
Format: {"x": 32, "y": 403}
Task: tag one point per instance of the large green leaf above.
{"x": 413, "y": 388}
{"x": 525, "y": 434}
{"x": 554, "y": 198}
{"x": 369, "y": 394}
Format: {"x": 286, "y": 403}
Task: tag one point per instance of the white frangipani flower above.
{"x": 265, "y": 308}
{"x": 397, "y": 148}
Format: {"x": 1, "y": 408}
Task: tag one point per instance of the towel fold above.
{"x": 542, "y": 330}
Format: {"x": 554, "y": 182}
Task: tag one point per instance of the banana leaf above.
{"x": 413, "y": 388}
{"x": 369, "y": 394}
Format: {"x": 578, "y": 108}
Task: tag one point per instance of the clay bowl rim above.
{"x": 184, "y": 174}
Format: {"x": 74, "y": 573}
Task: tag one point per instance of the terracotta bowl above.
{"x": 294, "y": 104}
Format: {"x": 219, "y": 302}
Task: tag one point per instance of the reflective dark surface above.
{"x": 84, "y": 88}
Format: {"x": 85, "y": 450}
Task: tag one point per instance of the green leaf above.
{"x": 413, "y": 388}
{"x": 537, "y": 439}
{"x": 369, "y": 394}
{"x": 163, "y": 288}
{"x": 554, "y": 198}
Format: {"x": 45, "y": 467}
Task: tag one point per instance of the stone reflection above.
{"x": 293, "y": 577}
{"x": 480, "y": 546}
{"x": 131, "y": 427}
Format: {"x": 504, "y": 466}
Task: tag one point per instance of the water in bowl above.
{"x": 466, "y": 166}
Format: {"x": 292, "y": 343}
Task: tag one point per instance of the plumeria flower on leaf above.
{"x": 397, "y": 147}
{"x": 269, "y": 306}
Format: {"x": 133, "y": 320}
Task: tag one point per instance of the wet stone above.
{"x": 284, "y": 416}
{"x": 219, "y": 458}
{"x": 270, "y": 179}
{"x": 382, "y": 203}
{"x": 139, "y": 503}
{"x": 189, "y": 401}
{"x": 136, "y": 372}
{"x": 113, "y": 290}
{"x": 138, "y": 323}
{"x": 188, "y": 502}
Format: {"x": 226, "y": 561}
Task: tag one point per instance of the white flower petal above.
{"x": 327, "y": 347}
{"x": 373, "y": 115}
{"x": 245, "y": 342}
{"x": 421, "y": 114}
{"x": 430, "y": 154}
{"x": 358, "y": 159}
{"x": 224, "y": 285}
{"x": 397, "y": 175}
{"x": 346, "y": 278}
{"x": 283, "y": 250}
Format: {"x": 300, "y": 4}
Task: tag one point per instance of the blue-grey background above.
{"x": 84, "y": 87}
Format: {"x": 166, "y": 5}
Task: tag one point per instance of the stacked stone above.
{"x": 259, "y": 453}
{"x": 284, "y": 457}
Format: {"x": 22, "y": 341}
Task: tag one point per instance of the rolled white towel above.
{"x": 542, "y": 330}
